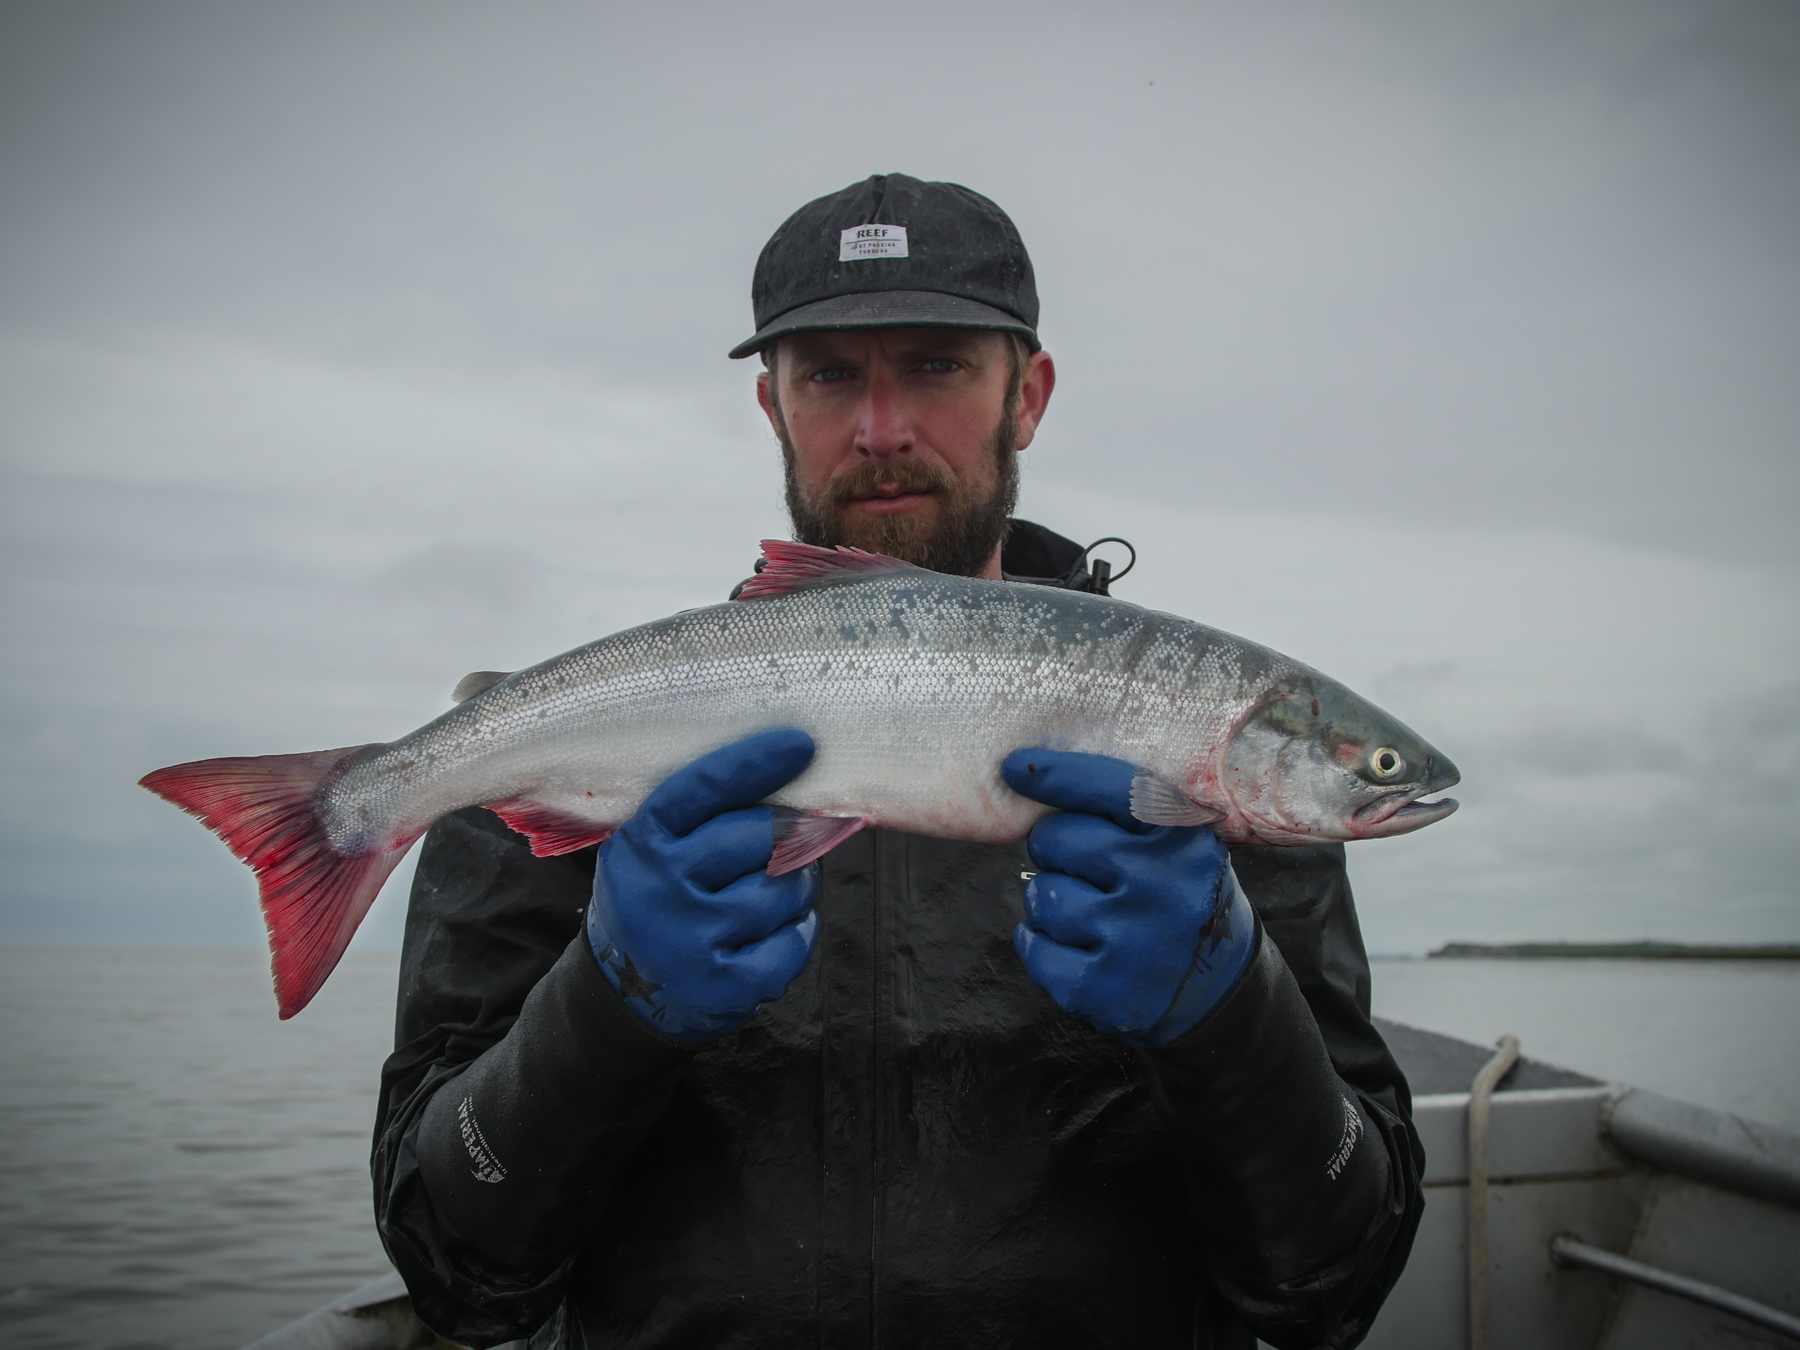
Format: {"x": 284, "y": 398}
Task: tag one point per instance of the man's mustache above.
{"x": 866, "y": 480}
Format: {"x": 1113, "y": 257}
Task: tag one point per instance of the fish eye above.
{"x": 1386, "y": 762}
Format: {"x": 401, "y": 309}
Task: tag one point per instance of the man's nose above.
{"x": 883, "y": 421}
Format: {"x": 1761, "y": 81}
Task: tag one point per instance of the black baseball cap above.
{"x": 893, "y": 252}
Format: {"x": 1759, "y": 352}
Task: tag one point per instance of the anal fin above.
{"x": 552, "y": 832}
{"x": 801, "y": 838}
{"x": 1157, "y": 801}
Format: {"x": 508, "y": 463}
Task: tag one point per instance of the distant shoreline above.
{"x": 1637, "y": 951}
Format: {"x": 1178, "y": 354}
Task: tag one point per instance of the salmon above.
{"x": 914, "y": 687}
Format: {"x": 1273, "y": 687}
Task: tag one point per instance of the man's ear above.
{"x": 765, "y": 397}
{"x": 1034, "y": 394}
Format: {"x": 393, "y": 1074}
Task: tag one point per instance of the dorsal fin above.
{"x": 794, "y": 567}
{"x": 476, "y": 682}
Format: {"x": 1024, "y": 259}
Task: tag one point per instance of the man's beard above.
{"x": 959, "y": 542}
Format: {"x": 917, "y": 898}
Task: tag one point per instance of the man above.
{"x": 1106, "y": 1088}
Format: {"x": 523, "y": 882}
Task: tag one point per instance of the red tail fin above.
{"x": 312, "y": 896}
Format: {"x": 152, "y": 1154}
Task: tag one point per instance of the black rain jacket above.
{"x": 913, "y": 1146}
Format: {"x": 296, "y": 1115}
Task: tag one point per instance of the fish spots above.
{"x": 1315, "y": 707}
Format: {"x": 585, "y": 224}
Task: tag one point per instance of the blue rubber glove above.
{"x": 1140, "y": 929}
{"x": 685, "y": 924}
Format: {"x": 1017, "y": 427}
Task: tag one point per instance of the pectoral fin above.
{"x": 1157, "y": 801}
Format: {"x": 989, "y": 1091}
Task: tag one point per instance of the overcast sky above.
{"x": 1452, "y": 348}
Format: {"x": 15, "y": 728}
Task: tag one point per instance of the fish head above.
{"x": 1317, "y": 762}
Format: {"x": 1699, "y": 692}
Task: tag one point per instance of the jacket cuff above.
{"x": 1244, "y": 1010}
{"x": 1278, "y": 1149}
{"x": 517, "y": 1151}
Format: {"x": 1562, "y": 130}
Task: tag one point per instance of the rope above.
{"x": 1481, "y": 1097}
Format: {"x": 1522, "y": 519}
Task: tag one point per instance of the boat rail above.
{"x": 1740, "y": 1155}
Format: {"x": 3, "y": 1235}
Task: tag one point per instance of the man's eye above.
{"x": 830, "y": 375}
{"x": 943, "y": 365}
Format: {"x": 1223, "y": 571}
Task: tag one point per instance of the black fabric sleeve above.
{"x": 1296, "y": 1123}
{"x": 518, "y": 1087}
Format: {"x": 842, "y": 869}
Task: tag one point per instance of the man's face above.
{"x": 902, "y": 440}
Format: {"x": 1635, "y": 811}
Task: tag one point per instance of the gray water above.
{"x": 185, "y": 1171}
{"x": 1725, "y": 1034}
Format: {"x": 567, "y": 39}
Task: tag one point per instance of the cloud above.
{"x": 1568, "y": 751}
{"x": 346, "y": 350}
{"x": 489, "y": 577}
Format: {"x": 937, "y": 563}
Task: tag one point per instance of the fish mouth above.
{"x": 1394, "y": 814}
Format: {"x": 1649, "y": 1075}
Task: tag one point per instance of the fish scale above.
{"x": 914, "y": 687}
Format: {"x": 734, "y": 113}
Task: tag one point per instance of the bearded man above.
{"x": 1113, "y": 1086}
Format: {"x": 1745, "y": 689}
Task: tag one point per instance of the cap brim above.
{"x": 885, "y": 309}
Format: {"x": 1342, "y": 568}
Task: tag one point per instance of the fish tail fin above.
{"x": 313, "y": 896}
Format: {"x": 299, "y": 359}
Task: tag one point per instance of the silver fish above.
{"x": 914, "y": 686}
